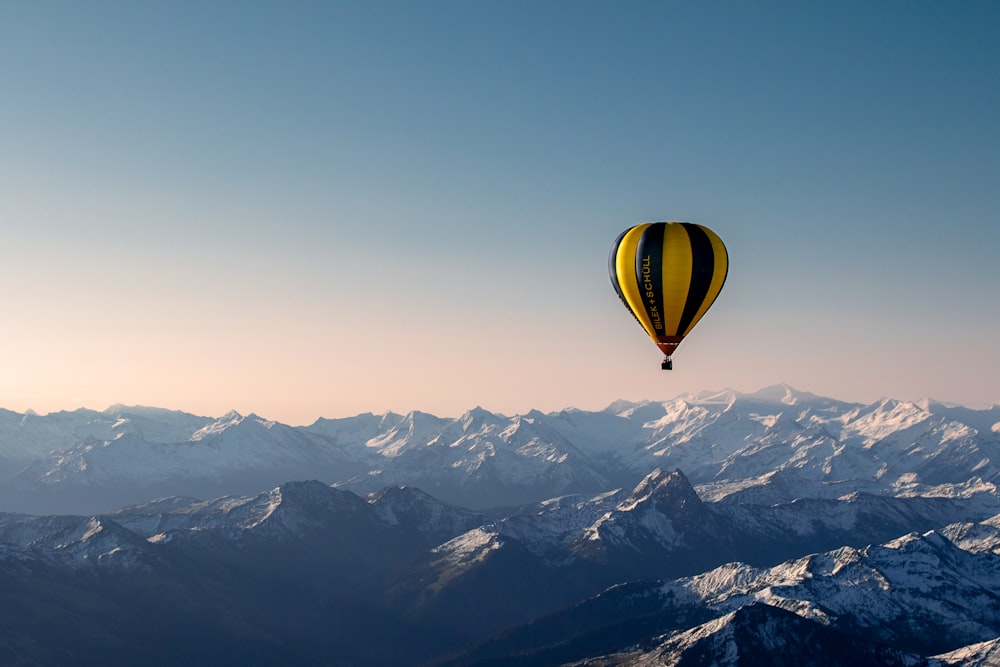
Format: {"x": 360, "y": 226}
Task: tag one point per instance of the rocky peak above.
{"x": 670, "y": 493}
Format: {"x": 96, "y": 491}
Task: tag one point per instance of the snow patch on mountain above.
{"x": 981, "y": 654}
{"x": 883, "y": 419}
{"x": 463, "y": 553}
{"x": 919, "y": 580}
{"x": 220, "y": 425}
{"x": 981, "y": 537}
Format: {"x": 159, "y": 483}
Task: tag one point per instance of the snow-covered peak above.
{"x": 668, "y": 489}
{"x": 470, "y": 547}
{"x": 235, "y": 422}
{"x": 415, "y": 429}
{"x": 923, "y": 578}
{"x": 725, "y": 397}
{"x": 289, "y": 508}
{"x": 884, "y": 418}
{"x": 657, "y": 512}
{"x": 76, "y": 541}
{"x": 261, "y": 422}
{"x": 226, "y": 421}
{"x": 982, "y": 537}
{"x": 763, "y": 634}
{"x": 407, "y": 506}
{"x": 354, "y": 431}
{"x": 478, "y": 418}
{"x": 624, "y": 408}
{"x": 978, "y": 654}
{"x": 119, "y": 410}
{"x": 784, "y": 394}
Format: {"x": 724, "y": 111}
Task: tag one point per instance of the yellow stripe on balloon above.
{"x": 625, "y": 269}
{"x": 676, "y": 269}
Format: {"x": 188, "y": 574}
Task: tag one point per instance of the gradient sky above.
{"x": 306, "y": 209}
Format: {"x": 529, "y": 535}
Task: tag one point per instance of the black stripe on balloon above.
{"x": 613, "y": 265}
{"x": 649, "y": 274}
{"x": 702, "y": 270}
{"x": 613, "y": 273}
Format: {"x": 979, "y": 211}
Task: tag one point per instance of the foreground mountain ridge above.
{"x": 454, "y": 577}
{"x": 775, "y": 441}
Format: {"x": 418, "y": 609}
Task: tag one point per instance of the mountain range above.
{"x": 778, "y": 442}
{"x": 770, "y": 528}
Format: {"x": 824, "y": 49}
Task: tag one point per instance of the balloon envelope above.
{"x": 668, "y": 274}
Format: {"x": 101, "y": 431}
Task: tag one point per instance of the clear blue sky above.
{"x": 308, "y": 209}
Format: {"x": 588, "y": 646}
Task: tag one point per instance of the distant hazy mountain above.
{"x": 774, "y": 445}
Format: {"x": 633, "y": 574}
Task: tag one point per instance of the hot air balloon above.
{"x": 668, "y": 274}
